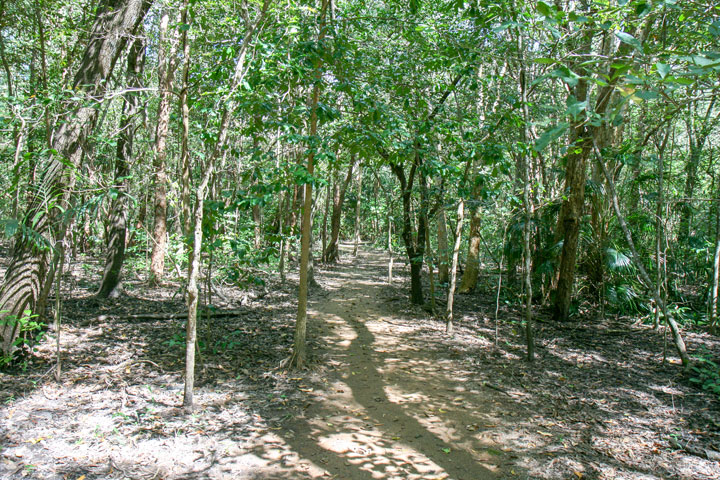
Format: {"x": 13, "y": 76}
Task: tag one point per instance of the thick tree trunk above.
{"x": 570, "y": 217}
{"x": 117, "y": 235}
{"x": 166, "y": 72}
{"x": 115, "y": 21}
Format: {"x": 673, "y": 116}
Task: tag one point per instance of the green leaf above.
{"x": 575, "y": 108}
{"x": 566, "y": 75}
{"x": 544, "y": 9}
{"x": 550, "y": 136}
{"x": 629, "y": 39}
{"x": 617, "y": 260}
{"x": 714, "y": 28}
{"x": 679, "y": 80}
{"x": 646, "y": 94}
{"x": 663, "y": 69}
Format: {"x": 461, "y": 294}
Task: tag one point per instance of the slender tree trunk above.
{"x": 117, "y": 236}
{"x": 166, "y": 72}
{"x": 526, "y": 173}
{"x": 115, "y": 21}
{"x": 638, "y": 261}
{"x": 431, "y": 274}
{"x": 659, "y": 230}
{"x": 358, "y": 195}
{"x": 443, "y": 274}
{"x": 453, "y": 267}
{"x": 332, "y": 254}
{"x": 283, "y": 238}
{"x": 299, "y": 355}
{"x": 186, "y": 214}
{"x": 229, "y": 106}
{"x": 326, "y": 214}
{"x": 472, "y": 265}
{"x": 714, "y": 312}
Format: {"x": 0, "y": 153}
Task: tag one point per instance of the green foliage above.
{"x": 706, "y": 373}
{"x": 30, "y": 333}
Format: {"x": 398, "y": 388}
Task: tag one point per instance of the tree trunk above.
{"x": 638, "y": 261}
{"x": 117, "y": 236}
{"x": 472, "y": 264}
{"x": 453, "y": 267}
{"x": 115, "y": 21}
{"x": 714, "y": 312}
{"x": 186, "y": 214}
{"x": 196, "y": 249}
{"x": 431, "y": 274}
{"x": 442, "y": 252}
{"x": 166, "y": 71}
{"x": 332, "y": 254}
{"x": 358, "y": 195}
{"x": 299, "y": 355}
{"x": 570, "y": 216}
{"x": 326, "y": 214}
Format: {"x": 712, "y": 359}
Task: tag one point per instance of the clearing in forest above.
{"x": 389, "y": 395}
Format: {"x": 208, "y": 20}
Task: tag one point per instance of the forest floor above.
{"x": 388, "y": 395}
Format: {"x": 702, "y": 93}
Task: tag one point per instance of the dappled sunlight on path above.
{"x": 389, "y": 410}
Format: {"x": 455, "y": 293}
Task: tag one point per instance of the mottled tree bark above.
{"x": 117, "y": 235}
{"x": 332, "y": 254}
{"x": 358, "y": 194}
{"x": 166, "y": 70}
{"x": 442, "y": 247}
{"x": 472, "y": 264}
{"x": 299, "y": 354}
{"x": 114, "y": 22}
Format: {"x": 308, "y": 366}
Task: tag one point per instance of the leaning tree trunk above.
{"x": 638, "y": 261}
{"x": 207, "y": 167}
{"x": 110, "y": 284}
{"x": 115, "y": 21}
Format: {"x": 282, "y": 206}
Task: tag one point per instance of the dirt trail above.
{"x": 389, "y": 395}
{"x": 394, "y": 407}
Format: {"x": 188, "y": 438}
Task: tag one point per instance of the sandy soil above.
{"x": 389, "y": 396}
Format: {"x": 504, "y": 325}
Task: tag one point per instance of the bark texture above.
{"x": 166, "y": 70}
{"x": 115, "y": 22}
{"x": 117, "y": 234}
{"x": 332, "y": 253}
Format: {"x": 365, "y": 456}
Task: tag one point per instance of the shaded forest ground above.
{"x": 389, "y": 395}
